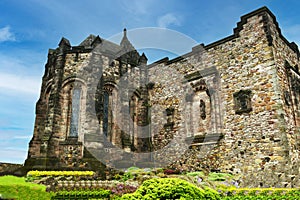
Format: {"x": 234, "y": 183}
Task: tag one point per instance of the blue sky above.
{"x": 29, "y": 28}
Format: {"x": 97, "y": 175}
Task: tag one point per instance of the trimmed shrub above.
{"x": 171, "y": 188}
{"x": 81, "y": 194}
{"x": 219, "y": 176}
{"x": 259, "y": 193}
{"x": 198, "y": 173}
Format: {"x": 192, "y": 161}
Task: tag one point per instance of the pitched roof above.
{"x": 125, "y": 43}
{"x": 88, "y": 41}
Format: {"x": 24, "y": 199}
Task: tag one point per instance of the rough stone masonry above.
{"x": 241, "y": 111}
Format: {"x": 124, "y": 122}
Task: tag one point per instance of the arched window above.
{"x": 105, "y": 112}
{"x": 75, "y": 112}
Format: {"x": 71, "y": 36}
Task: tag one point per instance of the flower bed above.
{"x": 81, "y": 194}
{"x": 116, "y": 187}
{"x": 60, "y": 173}
{"x": 136, "y": 183}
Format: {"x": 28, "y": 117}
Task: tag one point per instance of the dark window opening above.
{"x": 202, "y": 109}
{"x": 105, "y": 113}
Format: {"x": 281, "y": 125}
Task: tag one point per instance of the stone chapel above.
{"x": 234, "y": 104}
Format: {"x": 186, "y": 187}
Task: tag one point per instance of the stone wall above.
{"x": 11, "y": 169}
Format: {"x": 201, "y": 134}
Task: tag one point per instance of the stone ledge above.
{"x": 71, "y": 141}
{"x": 207, "y": 139}
{"x": 204, "y": 143}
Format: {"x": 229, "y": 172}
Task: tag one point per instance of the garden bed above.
{"x": 135, "y": 183}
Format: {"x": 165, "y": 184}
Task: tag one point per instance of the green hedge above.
{"x": 96, "y": 194}
{"x": 260, "y": 193}
{"x": 170, "y": 188}
{"x": 261, "y": 197}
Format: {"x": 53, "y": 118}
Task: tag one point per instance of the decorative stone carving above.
{"x": 242, "y": 101}
{"x": 199, "y": 85}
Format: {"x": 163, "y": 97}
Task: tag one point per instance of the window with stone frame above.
{"x": 242, "y": 101}
{"x": 75, "y": 113}
{"x": 296, "y": 90}
{"x": 170, "y": 118}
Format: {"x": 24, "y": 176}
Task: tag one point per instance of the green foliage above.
{"x": 126, "y": 176}
{"x": 81, "y": 194}
{"x": 198, "y": 173}
{"x": 117, "y": 177}
{"x": 12, "y": 187}
{"x": 158, "y": 170}
{"x": 219, "y": 176}
{"x": 31, "y": 178}
{"x": 260, "y": 197}
{"x": 23, "y": 192}
{"x": 171, "y": 188}
{"x": 133, "y": 169}
{"x": 259, "y": 193}
{"x": 132, "y": 173}
{"x": 21, "y": 181}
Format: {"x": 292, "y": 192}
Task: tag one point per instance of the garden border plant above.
{"x": 170, "y": 188}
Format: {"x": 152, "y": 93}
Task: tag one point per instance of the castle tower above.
{"x": 63, "y": 108}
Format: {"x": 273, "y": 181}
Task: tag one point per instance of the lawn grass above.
{"x": 13, "y": 180}
{"x": 12, "y": 187}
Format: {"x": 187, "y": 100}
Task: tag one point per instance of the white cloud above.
{"x": 167, "y": 20}
{"x": 18, "y": 83}
{"x": 18, "y": 76}
{"x": 6, "y": 34}
{"x": 22, "y": 137}
{"x": 13, "y": 155}
{"x": 161, "y": 39}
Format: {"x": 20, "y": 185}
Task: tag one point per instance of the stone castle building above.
{"x": 230, "y": 106}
